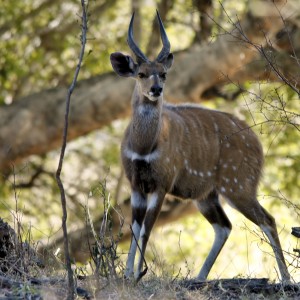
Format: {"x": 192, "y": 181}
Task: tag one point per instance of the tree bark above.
{"x": 33, "y": 125}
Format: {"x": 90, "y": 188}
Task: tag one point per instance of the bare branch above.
{"x": 71, "y": 285}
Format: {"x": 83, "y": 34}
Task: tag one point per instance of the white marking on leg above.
{"x": 136, "y": 228}
{"x": 276, "y": 248}
{"x": 221, "y": 235}
{"x": 153, "y": 201}
{"x": 137, "y": 201}
{"x": 142, "y": 232}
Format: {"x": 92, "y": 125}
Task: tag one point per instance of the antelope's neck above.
{"x": 145, "y": 125}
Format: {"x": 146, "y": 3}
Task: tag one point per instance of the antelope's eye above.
{"x": 163, "y": 75}
{"x": 142, "y": 75}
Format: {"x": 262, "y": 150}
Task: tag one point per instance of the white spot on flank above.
{"x": 174, "y": 168}
{"x": 185, "y": 162}
{"x": 241, "y": 187}
{"x": 235, "y": 180}
{"x": 227, "y": 145}
{"x": 201, "y": 174}
{"x": 147, "y": 157}
{"x": 234, "y": 168}
{"x": 168, "y": 159}
{"x": 226, "y": 179}
{"x": 216, "y": 127}
{"x": 243, "y": 137}
{"x": 209, "y": 173}
{"x": 225, "y": 166}
{"x": 195, "y": 172}
{"x": 245, "y": 159}
{"x": 223, "y": 190}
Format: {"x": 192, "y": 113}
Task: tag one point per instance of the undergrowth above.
{"x": 24, "y": 274}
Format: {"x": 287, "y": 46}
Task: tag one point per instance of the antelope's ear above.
{"x": 123, "y": 65}
{"x": 168, "y": 61}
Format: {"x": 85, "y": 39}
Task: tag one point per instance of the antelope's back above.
{"x": 216, "y": 148}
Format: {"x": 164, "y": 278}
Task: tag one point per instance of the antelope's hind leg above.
{"x": 252, "y": 210}
{"x": 215, "y": 215}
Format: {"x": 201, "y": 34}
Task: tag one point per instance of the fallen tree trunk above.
{"x": 82, "y": 238}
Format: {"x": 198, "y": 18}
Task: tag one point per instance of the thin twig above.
{"x": 71, "y": 285}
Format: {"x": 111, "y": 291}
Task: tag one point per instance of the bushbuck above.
{"x": 187, "y": 151}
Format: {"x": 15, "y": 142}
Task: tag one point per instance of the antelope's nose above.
{"x": 156, "y": 90}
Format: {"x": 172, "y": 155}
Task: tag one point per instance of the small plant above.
{"x": 104, "y": 250}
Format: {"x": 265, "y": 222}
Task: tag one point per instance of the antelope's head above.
{"x": 150, "y": 75}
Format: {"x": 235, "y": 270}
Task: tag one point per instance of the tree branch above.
{"x": 71, "y": 284}
{"x": 27, "y": 126}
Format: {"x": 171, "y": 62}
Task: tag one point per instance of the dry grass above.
{"x": 24, "y": 278}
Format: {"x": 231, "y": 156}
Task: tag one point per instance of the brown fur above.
{"x": 189, "y": 152}
{"x": 199, "y": 141}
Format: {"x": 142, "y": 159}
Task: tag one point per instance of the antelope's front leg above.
{"x": 139, "y": 207}
{"x": 155, "y": 201}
